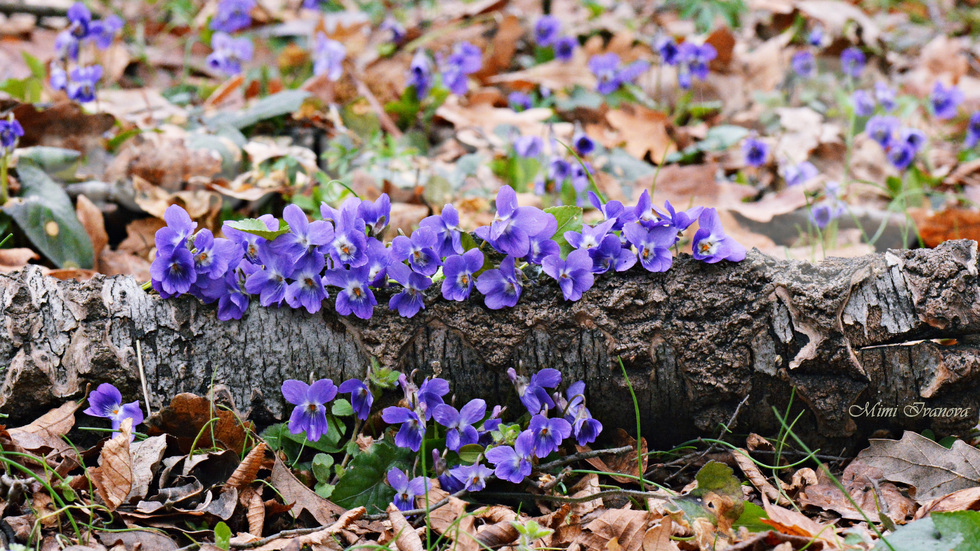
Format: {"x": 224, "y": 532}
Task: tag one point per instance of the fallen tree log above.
{"x": 857, "y": 338}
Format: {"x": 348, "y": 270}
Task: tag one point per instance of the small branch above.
{"x": 583, "y": 499}
{"x": 584, "y": 455}
{"x": 433, "y": 507}
{"x": 10, "y": 8}
{"x": 284, "y": 534}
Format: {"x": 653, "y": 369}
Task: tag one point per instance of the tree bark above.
{"x": 854, "y": 337}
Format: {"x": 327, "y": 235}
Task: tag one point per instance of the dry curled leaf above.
{"x": 249, "y": 467}
{"x": 113, "y": 478}
{"x": 46, "y": 432}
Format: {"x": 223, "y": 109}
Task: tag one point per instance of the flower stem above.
{"x": 3, "y": 178}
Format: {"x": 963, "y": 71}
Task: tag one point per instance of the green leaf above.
{"x": 720, "y": 138}
{"x": 269, "y": 107}
{"x": 324, "y": 490}
{"x": 751, "y": 519}
{"x": 470, "y": 453}
{"x": 569, "y": 219}
{"x": 956, "y": 531}
{"x": 222, "y": 536}
{"x": 36, "y": 65}
{"x": 257, "y": 227}
{"x": 363, "y": 483}
{"x": 49, "y": 159}
{"x": 44, "y": 212}
{"x": 322, "y": 467}
{"x": 342, "y": 408}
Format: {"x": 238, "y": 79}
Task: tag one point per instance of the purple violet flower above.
{"x": 375, "y": 215}
{"x": 852, "y": 62}
{"x": 418, "y": 250}
{"x": 533, "y": 393}
{"x": 882, "y": 129}
{"x": 519, "y": 101}
{"x": 310, "y": 413}
{"x": 710, "y": 242}
{"x": 459, "y": 424}
{"x": 864, "y": 104}
{"x": 459, "y": 270}
{"x": 590, "y": 237}
{"x": 409, "y": 301}
{"x": 10, "y": 132}
{"x": 574, "y": 274}
{"x": 815, "y": 38}
{"x": 797, "y": 174}
{"x": 565, "y": 48}
{"x": 104, "y": 31}
{"x": 270, "y": 282}
{"x": 513, "y": 463}
{"x": 885, "y": 96}
{"x": 250, "y": 242}
{"x": 542, "y": 244}
{"x": 172, "y": 272}
{"x": 361, "y": 398}
{"x": 406, "y": 490}
{"x": 901, "y": 154}
{"x": 307, "y": 290}
{"x": 755, "y": 151}
{"x": 546, "y": 30}
{"x": 328, "y": 57}
{"x": 822, "y": 214}
{"x": 229, "y": 53}
{"x": 652, "y": 245}
{"x": 679, "y": 221}
{"x": 106, "y": 401}
{"x": 913, "y": 137}
{"x": 412, "y": 428}
{"x": 379, "y": 258}
{"x": 804, "y": 64}
{"x": 303, "y": 241}
{"x": 232, "y": 15}
{"x": 585, "y": 428}
{"x": 548, "y": 434}
{"x": 558, "y": 169}
{"x": 973, "y": 130}
{"x": 529, "y": 146}
{"x": 501, "y": 287}
{"x": 945, "y": 101}
{"x": 354, "y": 295}
{"x": 349, "y": 243}
{"x": 81, "y": 85}
{"x": 431, "y": 393}
{"x": 611, "y": 255}
{"x": 446, "y": 228}
{"x": 668, "y": 50}
{"x": 420, "y": 74}
{"x": 80, "y": 19}
{"x": 605, "y": 67}
{"x": 473, "y": 477}
{"x": 583, "y": 144}
{"x": 465, "y": 60}
{"x": 178, "y": 229}
{"x": 513, "y": 225}
{"x": 213, "y": 257}
{"x": 396, "y": 29}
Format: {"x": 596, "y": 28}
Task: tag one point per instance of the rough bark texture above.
{"x": 846, "y": 333}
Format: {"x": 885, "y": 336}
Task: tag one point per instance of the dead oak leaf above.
{"x": 113, "y": 478}
{"x": 641, "y": 130}
{"x": 46, "y": 431}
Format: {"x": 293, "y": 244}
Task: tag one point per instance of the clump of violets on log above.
{"x": 299, "y": 262}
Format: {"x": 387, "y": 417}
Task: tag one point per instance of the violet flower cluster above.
{"x": 67, "y": 73}
{"x": 691, "y": 60}
{"x": 547, "y": 34}
{"x": 342, "y": 252}
{"x": 554, "y": 418}
{"x": 901, "y": 144}
{"x": 611, "y": 74}
{"x": 10, "y": 132}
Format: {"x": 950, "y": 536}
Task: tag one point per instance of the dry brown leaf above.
{"x": 187, "y": 414}
{"x": 113, "y": 478}
{"x": 622, "y": 464}
{"x": 587, "y": 486}
{"x": 756, "y": 477}
{"x": 658, "y": 537}
{"x": 62, "y": 125}
{"x": 961, "y": 500}
{"x": 951, "y": 223}
{"x": 251, "y": 498}
{"x": 16, "y": 259}
{"x": 555, "y": 75}
{"x": 199, "y": 204}
{"x": 406, "y": 217}
{"x": 112, "y": 263}
{"x": 146, "y": 457}
{"x": 46, "y": 431}
{"x": 502, "y": 532}
{"x": 91, "y": 219}
{"x": 406, "y": 539}
{"x": 724, "y": 43}
{"x": 144, "y": 540}
{"x": 626, "y": 526}
{"x": 641, "y": 130}
{"x": 834, "y": 16}
{"x": 798, "y": 524}
{"x": 485, "y": 118}
{"x": 302, "y": 498}
{"x": 248, "y": 469}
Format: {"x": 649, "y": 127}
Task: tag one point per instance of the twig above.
{"x": 584, "y": 455}
{"x": 713, "y": 445}
{"x": 10, "y": 8}
{"x": 386, "y": 122}
{"x": 583, "y": 499}
{"x": 269, "y": 539}
{"x": 433, "y": 507}
{"x": 146, "y": 390}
